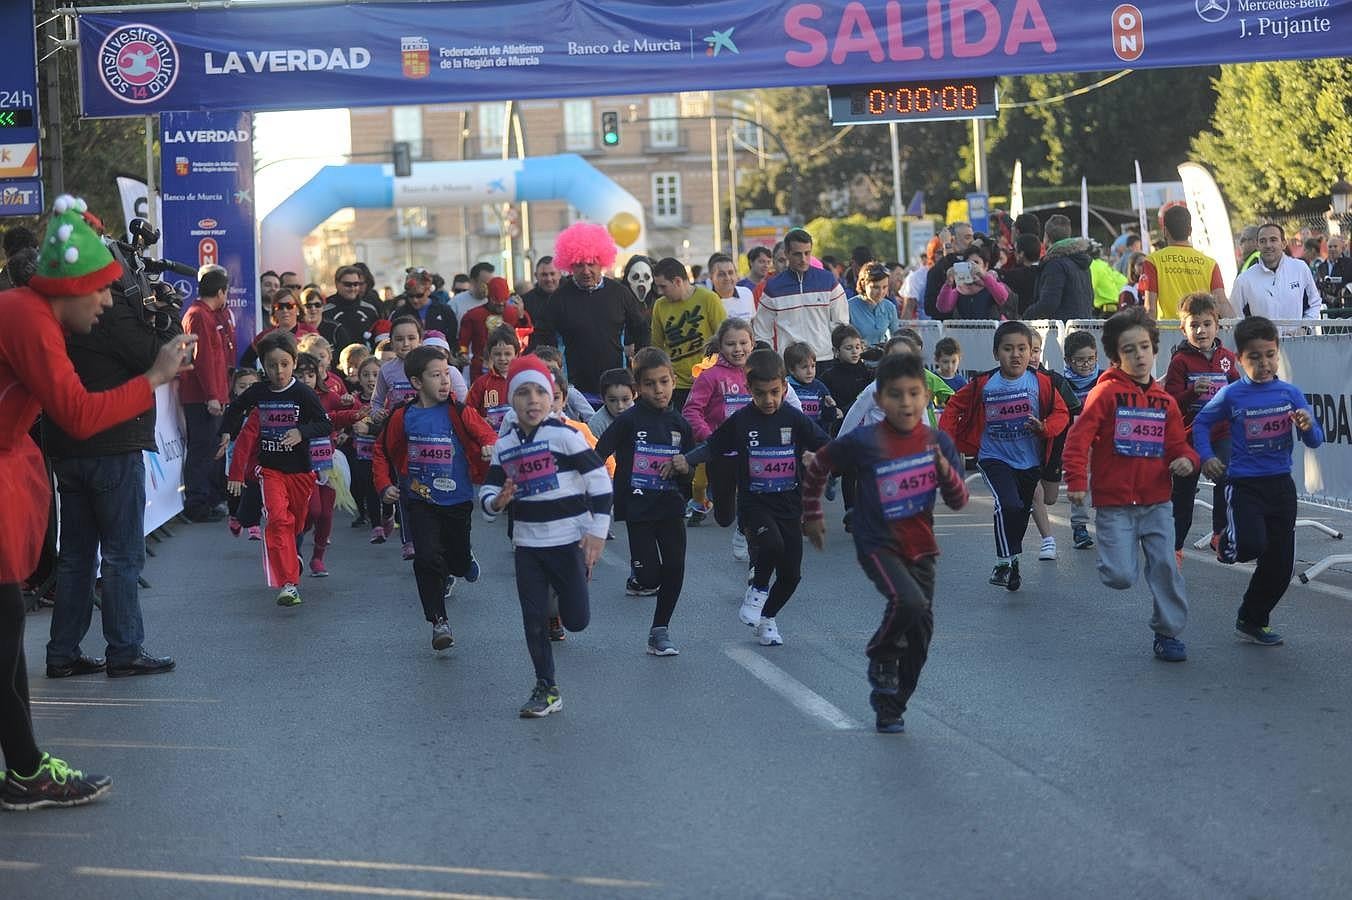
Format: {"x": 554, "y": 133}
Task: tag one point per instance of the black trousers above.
{"x": 369, "y": 505}
{"x": 1185, "y": 490}
{"x": 538, "y": 569}
{"x": 203, "y": 474}
{"x": 441, "y": 546}
{"x": 248, "y": 506}
{"x": 17, "y": 743}
{"x": 776, "y": 547}
{"x": 908, "y": 619}
{"x": 722, "y": 475}
{"x": 1013, "y": 492}
{"x": 1261, "y": 525}
{"x": 657, "y": 554}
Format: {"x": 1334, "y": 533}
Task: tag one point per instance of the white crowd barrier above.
{"x": 164, "y": 466}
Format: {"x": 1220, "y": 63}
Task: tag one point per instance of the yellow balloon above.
{"x": 624, "y": 228}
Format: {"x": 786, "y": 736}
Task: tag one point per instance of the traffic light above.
{"x": 610, "y": 129}
{"x": 403, "y": 159}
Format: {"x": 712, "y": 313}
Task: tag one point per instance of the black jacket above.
{"x": 592, "y": 324}
{"x": 439, "y": 317}
{"x": 537, "y": 303}
{"x": 1064, "y": 289}
{"x": 121, "y": 346}
{"x": 354, "y": 320}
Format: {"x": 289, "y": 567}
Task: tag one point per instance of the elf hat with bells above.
{"x": 72, "y": 260}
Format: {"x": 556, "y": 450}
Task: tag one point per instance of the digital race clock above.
{"x": 913, "y": 101}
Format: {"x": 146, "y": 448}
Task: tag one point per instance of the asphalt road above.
{"x": 326, "y": 750}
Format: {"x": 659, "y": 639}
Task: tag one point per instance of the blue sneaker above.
{"x": 472, "y": 575}
{"x": 1263, "y": 636}
{"x": 1170, "y": 649}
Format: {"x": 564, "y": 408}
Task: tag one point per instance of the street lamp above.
{"x": 1340, "y": 196}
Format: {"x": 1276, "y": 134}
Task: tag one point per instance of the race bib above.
{"x": 1204, "y": 386}
{"x": 364, "y": 445}
{"x": 733, "y": 402}
{"x": 648, "y": 462}
{"x": 278, "y": 416}
{"x": 431, "y": 457}
{"x": 495, "y": 415}
{"x": 401, "y": 391}
{"x": 531, "y": 467}
{"x": 906, "y": 486}
{"x": 1139, "y": 432}
{"x": 1268, "y": 430}
{"x": 773, "y": 470}
{"x": 321, "y": 454}
{"x": 812, "y": 407}
{"x": 1007, "y": 413}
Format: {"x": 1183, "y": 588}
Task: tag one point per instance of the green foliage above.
{"x": 838, "y": 237}
{"x": 1281, "y": 133}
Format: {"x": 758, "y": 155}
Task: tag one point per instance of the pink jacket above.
{"x": 948, "y": 294}
{"x": 705, "y": 408}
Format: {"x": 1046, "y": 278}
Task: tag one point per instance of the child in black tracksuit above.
{"x": 846, "y": 379}
{"x": 643, "y": 439}
{"x": 770, "y": 437}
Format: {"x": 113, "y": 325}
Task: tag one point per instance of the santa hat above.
{"x": 436, "y": 339}
{"x": 380, "y": 330}
{"x": 529, "y": 370}
{"x": 584, "y": 242}
{"x": 72, "y": 260}
{"x": 498, "y": 291}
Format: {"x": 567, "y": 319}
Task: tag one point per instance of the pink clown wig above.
{"x": 584, "y": 242}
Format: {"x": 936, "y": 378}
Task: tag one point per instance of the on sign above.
{"x": 1128, "y": 33}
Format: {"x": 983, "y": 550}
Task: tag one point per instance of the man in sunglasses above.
{"x": 348, "y": 309}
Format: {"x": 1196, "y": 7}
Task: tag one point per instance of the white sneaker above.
{"x": 739, "y": 551}
{"x": 752, "y": 604}
{"x": 767, "y": 632}
{"x": 1048, "y": 550}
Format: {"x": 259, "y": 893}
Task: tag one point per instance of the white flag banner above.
{"x": 135, "y": 205}
{"x": 1016, "y": 191}
{"x": 1084, "y": 207}
{"x": 1211, "y": 232}
{"x": 1146, "y": 247}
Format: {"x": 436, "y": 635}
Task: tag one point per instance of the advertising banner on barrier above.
{"x": 303, "y": 56}
{"x": 1319, "y": 365}
{"x": 206, "y": 178}
{"x": 20, "y": 162}
{"x": 164, "y": 466}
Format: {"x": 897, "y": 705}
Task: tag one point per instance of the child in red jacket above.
{"x": 1131, "y": 436}
{"x": 430, "y": 454}
{"x": 1200, "y": 367}
{"x": 1008, "y": 418}
{"x": 488, "y": 394}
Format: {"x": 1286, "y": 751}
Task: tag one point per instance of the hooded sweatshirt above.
{"x": 1127, "y": 435}
{"x": 1064, "y": 288}
{"x": 1193, "y": 379}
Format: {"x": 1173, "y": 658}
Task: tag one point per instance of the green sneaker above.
{"x": 54, "y": 784}
{"x": 289, "y": 596}
{"x": 544, "y": 699}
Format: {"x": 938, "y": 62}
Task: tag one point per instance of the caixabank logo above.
{"x": 138, "y": 63}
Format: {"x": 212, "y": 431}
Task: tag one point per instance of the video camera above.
{"x": 140, "y": 284}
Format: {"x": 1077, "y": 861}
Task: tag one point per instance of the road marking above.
{"x": 800, "y": 695}
{"x": 280, "y": 883}
{"x": 15, "y": 865}
{"x": 133, "y": 745}
{"x": 588, "y": 880}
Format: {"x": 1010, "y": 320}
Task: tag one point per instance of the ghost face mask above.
{"x": 640, "y": 279}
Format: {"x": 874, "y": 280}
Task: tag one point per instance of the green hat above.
{"x": 72, "y": 259}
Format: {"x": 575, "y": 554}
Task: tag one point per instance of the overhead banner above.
{"x": 303, "y": 56}
{"x": 207, "y": 206}
{"x": 20, "y": 162}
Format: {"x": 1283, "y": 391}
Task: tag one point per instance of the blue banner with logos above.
{"x": 206, "y": 193}
{"x": 20, "y": 167}
{"x": 301, "y": 56}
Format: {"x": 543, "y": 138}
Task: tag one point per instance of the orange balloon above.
{"x": 624, "y": 227}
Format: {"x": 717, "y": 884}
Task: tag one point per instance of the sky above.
{"x": 283, "y": 141}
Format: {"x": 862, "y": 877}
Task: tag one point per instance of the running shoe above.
{"x": 544, "y": 699}
{"x": 884, "y": 676}
{"x": 289, "y": 595}
{"x": 739, "y": 548}
{"x": 696, "y": 513}
{"x": 633, "y": 589}
{"x": 1000, "y": 575}
{"x": 377, "y": 535}
{"x": 1261, "y": 635}
{"x": 407, "y": 553}
{"x": 1080, "y": 534}
{"x": 472, "y": 575}
{"x": 1170, "y": 649}
{"x": 318, "y": 569}
{"x": 556, "y": 632}
{"x": 887, "y": 712}
{"x": 442, "y": 639}
{"x": 659, "y": 642}
{"x": 255, "y": 533}
{"x": 54, "y": 784}
{"x": 1048, "y": 551}
{"x": 450, "y": 586}
{"x": 235, "y": 527}
{"x": 767, "y": 632}
{"x": 752, "y": 604}
{"x": 1015, "y": 580}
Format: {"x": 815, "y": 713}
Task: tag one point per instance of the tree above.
{"x": 1281, "y": 133}
{"x": 1149, "y": 115}
{"x": 843, "y": 172}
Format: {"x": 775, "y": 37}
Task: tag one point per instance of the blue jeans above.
{"x": 103, "y": 502}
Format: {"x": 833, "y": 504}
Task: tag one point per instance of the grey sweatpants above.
{"x": 1120, "y": 530}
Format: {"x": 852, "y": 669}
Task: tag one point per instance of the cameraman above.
{"x": 102, "y": 485}
{"x": 1334, "y": 274}
{"x": 204, "y": 392}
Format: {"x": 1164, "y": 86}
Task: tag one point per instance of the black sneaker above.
{"x": 884, "y": 677}
{"x": 888, "y": 713}
{"x": 544, "y": 699}
{"x": 1015, "y": 580}
{"x": 556, "y": 632}
{"x": 53, "y": 784}
{"x": 84, "y": 665}
{"x": 1000, "y": 575}
{"x": 143, "y": 664}
{"x": 633, "y": 589}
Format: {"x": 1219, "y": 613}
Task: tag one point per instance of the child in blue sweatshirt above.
{"x": 1261, "y": 410}
{"x": 818, "y": 404}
